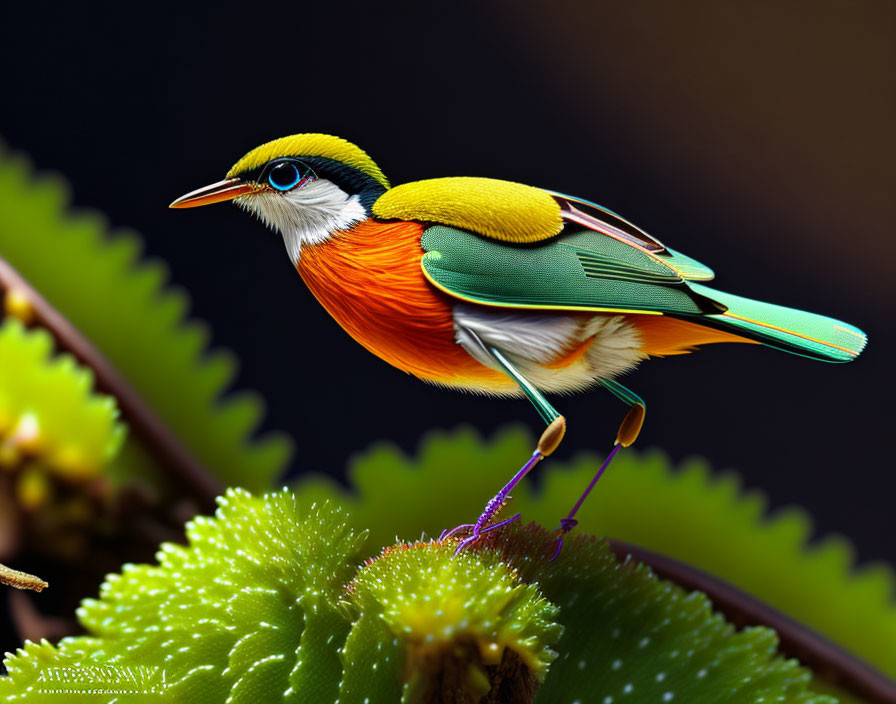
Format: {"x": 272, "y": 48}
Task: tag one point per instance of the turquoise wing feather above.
{"x": 795, "y": 331}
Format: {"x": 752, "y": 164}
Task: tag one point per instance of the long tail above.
{"x": 794, "y": 331}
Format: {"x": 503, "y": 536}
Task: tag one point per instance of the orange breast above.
{"x": 369, "y": 279}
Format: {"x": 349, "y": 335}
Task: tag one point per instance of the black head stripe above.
{"x": 349, "y": 179}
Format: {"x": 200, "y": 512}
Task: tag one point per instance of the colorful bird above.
{"x": 497, "y": 287}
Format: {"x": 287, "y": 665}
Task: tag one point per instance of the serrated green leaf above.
{"x": 631, "y": 637}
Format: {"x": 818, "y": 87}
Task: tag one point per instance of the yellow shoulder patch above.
{"x": 312, "y": 144}
{"x": 502, "y": 210}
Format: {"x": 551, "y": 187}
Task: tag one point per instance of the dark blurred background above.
{"x": 757, "y": 137}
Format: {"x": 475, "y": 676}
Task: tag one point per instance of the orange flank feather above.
{"x": 370, "y": 280}
{"x": 572, "y": 356}
{"x": 661, "y": 335}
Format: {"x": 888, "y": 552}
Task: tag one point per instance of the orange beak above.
{"x": 228, "y": 189}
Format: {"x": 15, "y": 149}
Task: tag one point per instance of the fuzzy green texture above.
{"x": 645, "y": 639}
{"x": 689, "y": 513}
{"x": 438, "y": 603}
{"x": 123, "y": 305}
{"x": 49, "y": 415}
{"x": 269, "y": 602}
{"x": 253, "y": 599}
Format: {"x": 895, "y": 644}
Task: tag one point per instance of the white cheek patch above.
{"x": 307, "y": 215}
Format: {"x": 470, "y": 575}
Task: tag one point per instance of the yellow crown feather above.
{"x": 313, "y": 144}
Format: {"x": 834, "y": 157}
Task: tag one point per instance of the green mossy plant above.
{"x": 124, "y": 307}
{"x": 464, "y": 622}
{"x": 269, "y": 602}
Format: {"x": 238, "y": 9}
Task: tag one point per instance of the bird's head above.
{"x": 305, "y": 186}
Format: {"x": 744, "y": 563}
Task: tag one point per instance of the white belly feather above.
{"x": 533, "y": 340}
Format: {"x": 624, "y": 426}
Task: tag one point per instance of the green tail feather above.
{"x": 794, "y": 331}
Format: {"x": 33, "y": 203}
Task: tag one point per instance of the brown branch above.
{"x": 827, "y": 661}
{"x": 175, "y": 459}
{"x": 21, "y": 580}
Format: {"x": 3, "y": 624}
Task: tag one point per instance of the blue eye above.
{"x": 284, "y": 176}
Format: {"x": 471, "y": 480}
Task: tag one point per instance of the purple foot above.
{"x": 466, "y": 542}
{"x": 566, "y": 525}
{"x": 494, "y": 506}
{"x": 448, "y": 533}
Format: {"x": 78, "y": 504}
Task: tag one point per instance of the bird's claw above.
{"x": 566, "y": 525}
{"x": 477, "y": 532}
{"x": 448, "y": 533}
{"x": 466, "y": 542}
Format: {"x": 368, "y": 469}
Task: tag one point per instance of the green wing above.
{"x": 580, "y": 269}
{"x": 590, "y": 271}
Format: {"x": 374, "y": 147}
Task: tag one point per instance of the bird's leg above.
{"x": 625, "y": 436}
{"x": 548, "y": 442}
